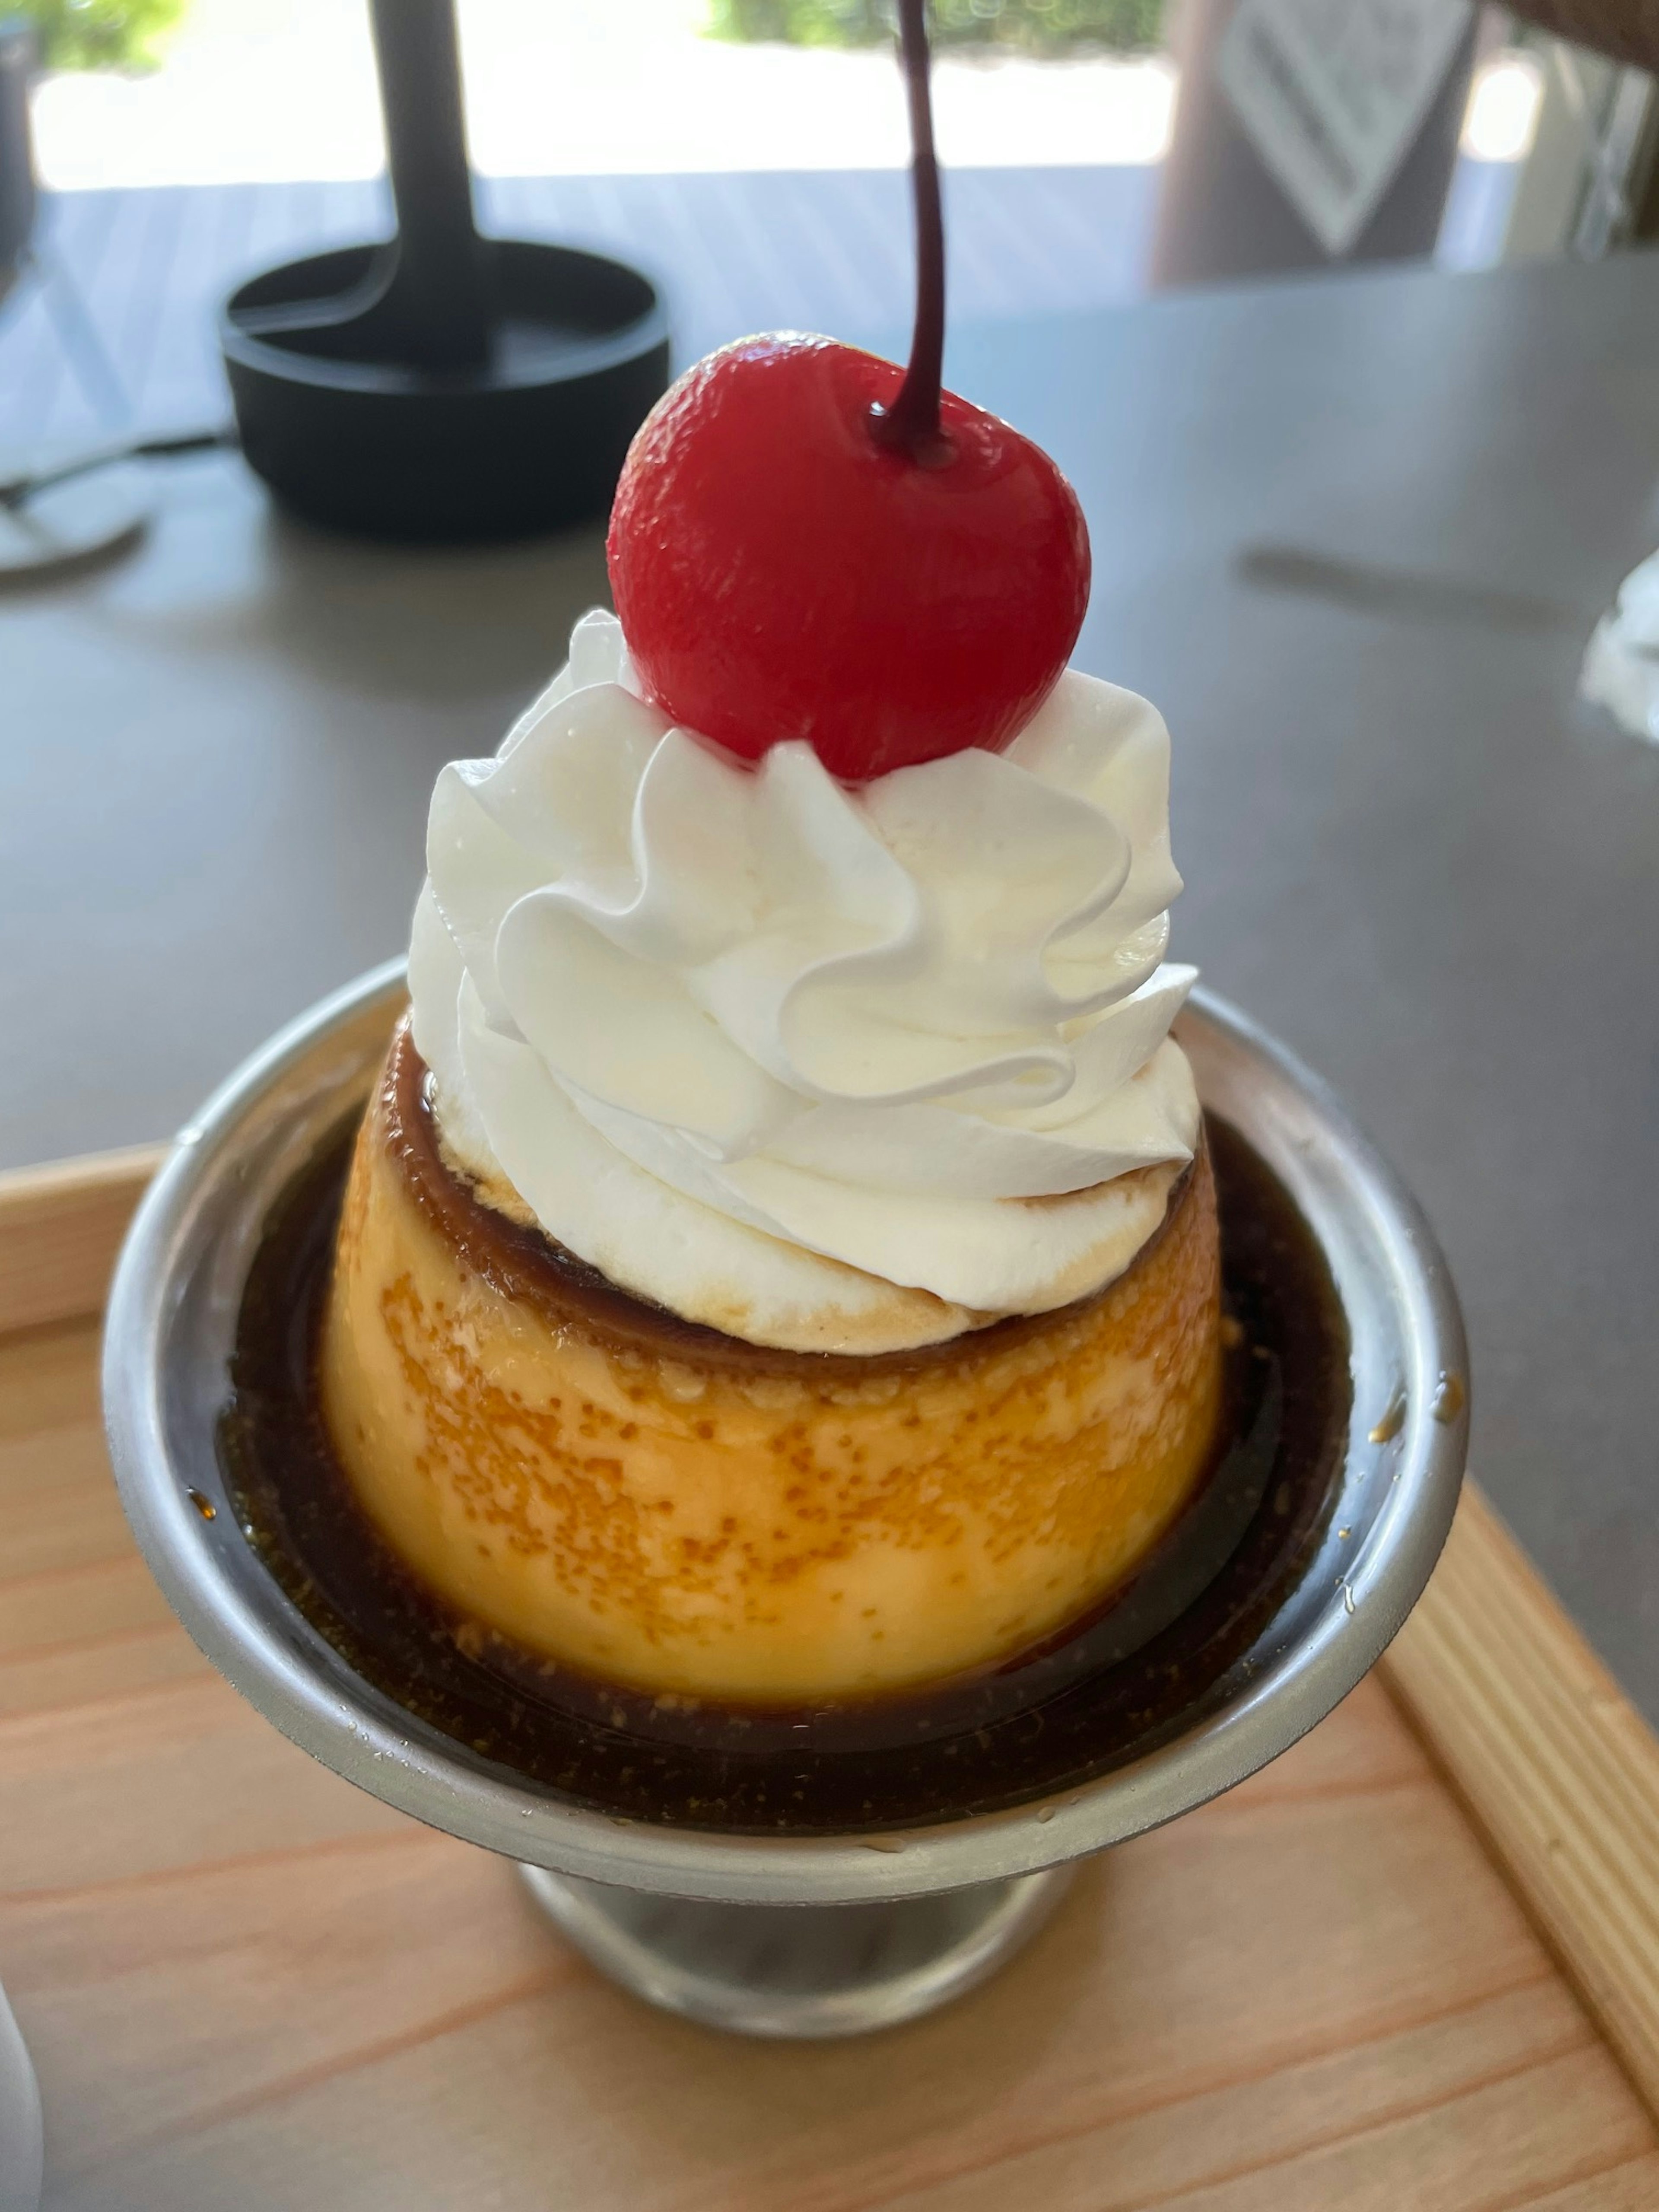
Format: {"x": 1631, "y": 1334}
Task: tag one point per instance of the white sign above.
{"x": 1332, "y": 93}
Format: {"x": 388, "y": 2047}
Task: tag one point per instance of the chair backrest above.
{"x": 17, "y": 193}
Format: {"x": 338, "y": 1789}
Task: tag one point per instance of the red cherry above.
{"x": 781, "y": 572}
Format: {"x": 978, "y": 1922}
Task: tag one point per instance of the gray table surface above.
{"x": 1350, "y": 535}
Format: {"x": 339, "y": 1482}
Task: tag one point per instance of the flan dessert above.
{"x": 779, "y": 1262}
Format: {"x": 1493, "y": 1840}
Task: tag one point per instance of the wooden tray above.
{"x": 1415, "y": 1964}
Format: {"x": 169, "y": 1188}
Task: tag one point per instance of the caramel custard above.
{"x": 1155, "y": 1655}
{"x": 664, "y": 1506}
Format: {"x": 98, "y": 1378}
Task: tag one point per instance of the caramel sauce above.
{"x": 1108, "y": 1688}
{"x": 1392, "y": 1422}
{"x": 1450, "y": 1399}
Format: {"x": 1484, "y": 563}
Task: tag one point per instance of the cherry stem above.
{"x": 912, "y": 423}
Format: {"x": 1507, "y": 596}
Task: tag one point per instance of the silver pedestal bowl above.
{"x": 779, "y": 1934}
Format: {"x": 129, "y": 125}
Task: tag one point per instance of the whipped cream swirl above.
{"x": 829, "y": 1067}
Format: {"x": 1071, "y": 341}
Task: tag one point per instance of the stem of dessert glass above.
{"x": 912, "y": 423}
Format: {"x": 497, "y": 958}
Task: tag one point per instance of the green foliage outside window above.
{"x": 1032, "y": 26}
{"x": 97, "y": 34}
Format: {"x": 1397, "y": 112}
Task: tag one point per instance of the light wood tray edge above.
{"x": 61, "y": 1227}
{"x": 1557, "y": 1771}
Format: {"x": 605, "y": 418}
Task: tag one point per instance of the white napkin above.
{"x": 1621, "y": 666}
{"x": 21, "y": 2149}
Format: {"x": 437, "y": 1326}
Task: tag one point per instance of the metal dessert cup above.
{"x": 779, "y": 1936}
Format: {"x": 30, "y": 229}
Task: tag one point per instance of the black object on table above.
{"x": 441, "y": 385}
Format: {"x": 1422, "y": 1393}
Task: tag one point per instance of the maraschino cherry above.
{"x": 808, "y": 541}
